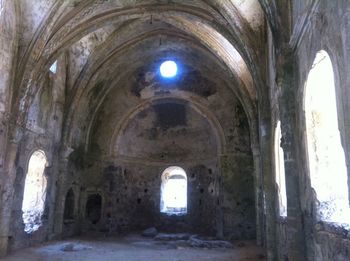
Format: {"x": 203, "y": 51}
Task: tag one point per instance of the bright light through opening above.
{"x": 34, "y": 192}
{"x": 174, "y": 191}
{"x": 328, "y": 171}
{"x": 168, "y": 69}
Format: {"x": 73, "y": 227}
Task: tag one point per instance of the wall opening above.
{"x": 93, "y": 208}
{"x": 280, "y": 172}
{"x": 34, "y": 192}
{"x": 53, "y": 68}
{"x": 327, "y": 166}
{"x": 69, "y": 205}
{"x": 174, "y": 191}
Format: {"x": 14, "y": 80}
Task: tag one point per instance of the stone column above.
{"x": 288, "y": 83}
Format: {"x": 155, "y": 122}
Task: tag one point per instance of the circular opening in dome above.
{"x": 168, "y": 69}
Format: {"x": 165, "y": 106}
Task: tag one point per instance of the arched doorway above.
{"x": 174, "y": 191}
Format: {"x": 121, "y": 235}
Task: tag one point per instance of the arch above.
{"x": 173, "y": 190}
{"x": 69, "y": 205}
{"x": 195, "y": 105}
{"x": 280, "y": 172}
{"x": 326, "y": 158}
{"x": 34, "y": 192}
{"x": 221, "y": 43}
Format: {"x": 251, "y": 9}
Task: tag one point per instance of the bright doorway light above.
{"x": 174, "y": 191}
{"x": 168, "y": 69}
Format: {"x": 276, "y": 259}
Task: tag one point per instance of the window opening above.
{"x": 328, "y": 171}
{"x": 34, "y": 192}
{"x": 168, "y": 69}
{"x": 53, "y": 67}
{"x": 280, "y": 172}
{"x": 174, "y": 191}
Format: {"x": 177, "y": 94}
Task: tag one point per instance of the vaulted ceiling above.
{"x": 111, "y": 46}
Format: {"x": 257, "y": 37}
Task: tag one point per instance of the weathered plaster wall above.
{"x": 42, "y": 133}
{"x": 165, "y": 133}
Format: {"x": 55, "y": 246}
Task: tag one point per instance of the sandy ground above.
{"x": 132, "y": 248}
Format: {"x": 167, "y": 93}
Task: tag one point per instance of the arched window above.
{"x": 34, "y": 192}
{"x": 280, "y": 173}
{"x": 174, "y": 191}
{"x": 328, "y": 171}
{"x": 69, "y": 205}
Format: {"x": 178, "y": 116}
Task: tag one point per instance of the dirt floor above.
{"x": 133, "y": 248}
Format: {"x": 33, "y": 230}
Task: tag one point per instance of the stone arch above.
{"x": 326, "y": 158}
{"x": 34, "y": 191}
{"x": 173, "y": 191}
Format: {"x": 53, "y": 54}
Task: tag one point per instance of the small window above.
{"x": 34, "y": 192}
{"x": 53, "y": 67}
{"x": 174, "y": 191}
{"x": 69, "y": 205}
{"x": 327, "y": 166}
{"x": 280, "y": 172}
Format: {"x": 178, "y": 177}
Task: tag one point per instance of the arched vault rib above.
{"x": 194, "y": 103}
{"x": 48, "y": 58}
{"x": 91, "y": 74}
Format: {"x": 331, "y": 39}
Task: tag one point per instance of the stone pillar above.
{"x": 268, "y": 183}
{"x": 288, "y": 84}
{"x": 258, "y": 197}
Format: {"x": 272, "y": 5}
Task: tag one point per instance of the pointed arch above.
{"x": 326, "y": 158}
{"x": 34, "y": 192}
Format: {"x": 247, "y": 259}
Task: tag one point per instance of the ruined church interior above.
{"x": 174, "y": 130}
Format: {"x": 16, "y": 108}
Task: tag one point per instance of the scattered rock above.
{"x": 68, "y": 247}
{"x": 200, "y": 243}
{"x": 187, "y": 240}
{"x": 172, "y": 237}
{"x": 74, "y": 247}
{"x": 150, "y": 232}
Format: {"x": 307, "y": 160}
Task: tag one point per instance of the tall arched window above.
{"x": 328, "y": 171}
{"x": 34, "y": 192}
{"x": 174, "y": 191}
{"x": 280, "y": 173}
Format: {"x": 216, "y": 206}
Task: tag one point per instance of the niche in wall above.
{"x": 93, "y": 208}
{"x": 69, "y": 205}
